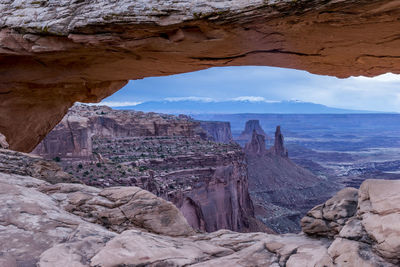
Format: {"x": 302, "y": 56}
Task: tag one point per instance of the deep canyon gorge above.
{"x": 123, "y": 188}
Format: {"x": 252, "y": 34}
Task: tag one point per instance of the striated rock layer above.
{"x": 249, "y": 129}
{"x": 49, "y": 225}
{"x": 218, "y": 131}
{"x": 54, "y": 53}
{"x": 163, "y": 154}
{"x": 72, "y": 137}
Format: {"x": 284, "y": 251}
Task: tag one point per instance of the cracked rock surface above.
{"x": 76, "y": 225}
{"x": 55, "y": 53}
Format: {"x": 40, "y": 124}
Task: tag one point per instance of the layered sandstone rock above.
{"x": 219, "y": 131}
{"x": 13, "y": 162}
{"x": 164, "y": 154}
{"x": 76, "y": 225}
{"x": 256, "y": 145}
{"x": 282, "y": 191}
{"x": 247, "y": 134}
{"x": 329, "y": 218}
{"x": 63, "y": 224}
{"x": 72, "y": 138}
{"x": 56, "y": 53}
{"x": 279, "y": 147}
{"x": 379, "y": 213}
{"x": 363, "y": 223}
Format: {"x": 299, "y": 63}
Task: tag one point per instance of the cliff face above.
{"x": 219, "y": 131}
{"x": 247, "y": 134}
{"x": 282, "y": 191}
{"x": 279, "y": 148}
{"x": 72, "y": 137}
{"x": 256, "y": 146}
{"x": 166, "y": 155}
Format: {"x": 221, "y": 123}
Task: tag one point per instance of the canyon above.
{"x": 169, "y": 156}
{"x": 216, "y": 185}
{"x": 54, "y": 53}
{"x": 282, "y": 191}
{"x": 70, "y": 224}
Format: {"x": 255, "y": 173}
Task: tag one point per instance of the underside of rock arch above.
{"x": 53, "y": 53}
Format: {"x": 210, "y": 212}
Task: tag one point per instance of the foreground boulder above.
{"x": 329, "y": 218}
{"x": 379, "y": 213}
{"x": 25, "y": 164}
{"x": 365, "y": 229}
{"x": 47, "y": 225}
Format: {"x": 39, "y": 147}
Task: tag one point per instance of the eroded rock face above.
{"x": 282, "y": 192}
{"x": 218, "y": 131}
{"x": 75, "y": 52}
{"x": 256, "y": 144}
{"x": 77, "y": 225}
{"x": 363, "y": 223}
{"x": 247, "y": 134}
{"x": 329, "y": 218}
{"x": 72, "y": 138}
{"x": 379, "y": 212}
{"x": 13, "y": 162}
{"x": 164, "y": 154}
{"x": 279, "y": 147}
{"x": 35, "y": 215}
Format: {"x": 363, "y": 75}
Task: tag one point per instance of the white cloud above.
{"x": 190, "y": 98}
{"x": 253, "y": 99}
{"x": 387, "y": 77}
{"x": 118, "y": 104}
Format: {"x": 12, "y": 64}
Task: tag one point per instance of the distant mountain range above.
{"x": 238, "y": 106}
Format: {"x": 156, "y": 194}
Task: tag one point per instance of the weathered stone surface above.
{"x": 57, "y": 52}
{"x": 369, "y": 234}
{"x": 351, "y": 253}
{"x": 31, "y": 222}
{"x": 35, "y": 215}
{"x": 379, "y": 211}
{"x": 121, "y": 208}
{"x": 37, "y": 223}
{"x": 328, "y": 219}
{"x": 25, "y": 164}
{"x": 222, "y": 248}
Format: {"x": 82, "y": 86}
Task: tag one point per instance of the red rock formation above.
{"x": 256, "y": 144}
{"x": 219, "y": 131}
{"x": 88, "y": 50}
{"x": 161, "y": 153}
{"x": 279, "y": 147}
{"x": 73, "y": 135}
{"x": 282, "y": 192}
{"x": 247, "y": 133}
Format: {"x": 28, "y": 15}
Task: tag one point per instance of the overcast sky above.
{"x": 381, "y": 93}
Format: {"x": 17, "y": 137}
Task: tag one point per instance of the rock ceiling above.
{"x": 54, "y": 53}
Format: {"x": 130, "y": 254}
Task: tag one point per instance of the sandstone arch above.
{"x": 53, "y": 53}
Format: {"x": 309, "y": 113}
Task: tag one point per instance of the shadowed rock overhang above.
{"x": 54, "y": 53}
